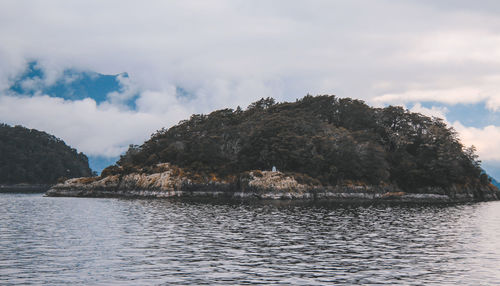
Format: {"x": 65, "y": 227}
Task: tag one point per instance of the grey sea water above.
{"x": 80, "y": 241}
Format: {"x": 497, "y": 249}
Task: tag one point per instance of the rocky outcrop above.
{"x": 170, "y": 181}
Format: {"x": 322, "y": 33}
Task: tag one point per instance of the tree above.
{"x": 32, "y": 156}
{"x": 328, "y": 139}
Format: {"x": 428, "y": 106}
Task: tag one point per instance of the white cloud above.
{"x": 449, "y": 96}
{"x": 433, "y": 111}
{"x": 323, "y": 46}
{"x": 229, "y": 53}
{"x": 493, "y": 103}
{"x": 458, "y": 47}
{"x": 32, "y": 84}
{"x": 486, "y": 140}
{"x": 318, "y": 47}
{"x": 153, "y": 102}
{"x": 92, "y": 129}
{"x": 484, "y": 89}
{"x": 128, "y": 90}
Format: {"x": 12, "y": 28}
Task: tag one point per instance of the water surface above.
{"x": 61, "y": 241}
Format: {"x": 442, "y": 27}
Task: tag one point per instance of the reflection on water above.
{"x": 114, "y": 241}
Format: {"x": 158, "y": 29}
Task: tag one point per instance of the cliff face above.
{"x": 171, "y": 181}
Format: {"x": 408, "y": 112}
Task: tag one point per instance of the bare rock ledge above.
{"x": 169, "y": 182}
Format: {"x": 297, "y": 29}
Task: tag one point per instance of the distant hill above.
{"x": 322, "y": 140}
{"x": 34, "y": 157}
{"x": 495, "y": 183}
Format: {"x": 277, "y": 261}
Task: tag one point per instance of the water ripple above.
{"x": 60, "y": 241}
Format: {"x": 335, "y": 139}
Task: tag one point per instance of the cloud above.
{"x": 324, "y": 46}
{"x": 434, "y": 111}
{"x": 288, "y": 48}
{"x": 98, "y": 130}
{"x": 486, "y": 140}
{"x": 485, "y": 89}
{"x": 449, "y": 96}
{"x": 458, "y": 47}
{"x": 493, "y": 103}
{"x": 230, "y": 53}
{"x": 128, "y": 90}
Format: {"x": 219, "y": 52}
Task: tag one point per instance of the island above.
{"x": 32, "y": 160}
{"x": 316, "y": 148}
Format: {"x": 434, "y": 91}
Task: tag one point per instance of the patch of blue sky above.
{"x": 470, "y": 115}
{"x": 495, "y": 182}
{"x": 72, "y": 85}
{"x": 76, "y": 85}
{"x": 492, "y": 169}
{"x": 98, "y": 163}
{"x": 31, "y": 72}
{"x": 183, "y": 93}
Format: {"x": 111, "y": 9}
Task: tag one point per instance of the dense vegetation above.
{"x": 32, "y": 156}
{"x": 324, "y": 139}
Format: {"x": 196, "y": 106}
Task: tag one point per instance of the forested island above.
{"x": 319, "y": 147}
{"x": 32, "y": 160}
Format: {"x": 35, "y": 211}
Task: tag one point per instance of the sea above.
{"x": 109, "y": 241}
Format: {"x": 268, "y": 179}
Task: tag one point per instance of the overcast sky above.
{"x": 436, "y": 57}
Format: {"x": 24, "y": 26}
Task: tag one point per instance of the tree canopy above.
{"x": 32, "y": 156}
{"x": 327, "y": 139}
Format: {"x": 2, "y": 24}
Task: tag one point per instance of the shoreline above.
{"x": 274, "y": 196}
{"x": 256, "y": 185}
{"x": 24, "y": 188}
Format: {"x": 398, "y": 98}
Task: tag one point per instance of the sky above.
{"x": 105, "y": 74}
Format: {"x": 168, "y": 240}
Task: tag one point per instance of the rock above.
{"x": 171, "y": 181}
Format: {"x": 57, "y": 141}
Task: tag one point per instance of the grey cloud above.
{"x": 229, "y": 53}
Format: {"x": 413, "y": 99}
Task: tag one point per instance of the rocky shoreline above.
{"x": 171, "y": 182}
